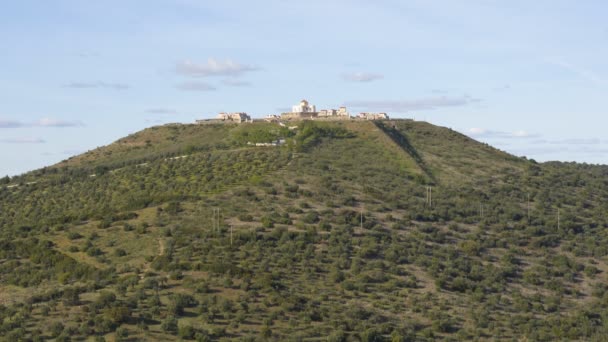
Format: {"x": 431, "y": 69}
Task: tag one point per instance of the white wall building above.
{"x": 304, "y": 107}
{"x": 342, "y": 112}
{"x": 234, "y": 117}
{"x": 373, "y": 116}
{"x": 327, "y": 112}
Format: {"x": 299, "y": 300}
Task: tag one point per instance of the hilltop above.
{"x": 344, "y": 231}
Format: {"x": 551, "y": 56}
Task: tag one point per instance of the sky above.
{"x": 528, "y": 77}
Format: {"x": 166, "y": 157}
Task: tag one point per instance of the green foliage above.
{"x": 5, "y": 180}
{"x": 186, "y": 332}
{"x": 260, "y": 133}
{"x": 336, "y": 242}
{"x": 372, "y": 335}
{"x": 169, "y": 325}
{"x": 312, "y": 133}
{"x": 29, "y": 262}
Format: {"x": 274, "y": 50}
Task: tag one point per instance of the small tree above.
{"x": 5, "y": 180}
{"x": 186, "y": 332}
{"x": 169, "y": 325}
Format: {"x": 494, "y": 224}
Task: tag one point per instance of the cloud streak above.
{"x": 583, "y": 73}
{"x": 236, "y": 83}
{"x": 572, "y": 141}
{"x": 23, "y": 141}
{"x": 361, "y": 77}
{"x": 10, "y": 124}
{"x": 213, "y": 67}
{"x": 98, "y": 85}
{"x": 161, "y": 111}
{"x": 491, "y": 134}
{"x": 430, "y": 103}
{"x": 195, "y": 86}
{"x": 44, "y": 122}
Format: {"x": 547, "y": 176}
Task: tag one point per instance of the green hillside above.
{"x": 193, "y": 232}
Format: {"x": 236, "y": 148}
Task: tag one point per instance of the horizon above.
{"x": 78, "y": 76}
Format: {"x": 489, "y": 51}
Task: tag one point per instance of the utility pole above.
{"x": 362, "y": 217}
{"x": 558, "y": 220}
{"x": 213, "y": 219}
{"x": 230, "y": 235}
{"x": 528, "y": 207}
{"x": 216, "y": 219}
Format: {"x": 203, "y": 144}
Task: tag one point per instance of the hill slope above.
{"x": 194, "y": 232}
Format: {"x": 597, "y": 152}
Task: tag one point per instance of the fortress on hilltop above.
{"x": 227, "y": 118}
{"x": 302, "y": 111}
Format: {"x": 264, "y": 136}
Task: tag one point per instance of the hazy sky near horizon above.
{"x": 529, "y": 77}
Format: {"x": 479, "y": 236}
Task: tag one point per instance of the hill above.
{"x": 348, "y": 231}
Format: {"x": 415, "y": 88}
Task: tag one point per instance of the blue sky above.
{"x": 528, "y": 77}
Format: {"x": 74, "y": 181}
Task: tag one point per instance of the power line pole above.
{"x": 216, "y": 219}
{"x": 230, "y": 235}
{"x": 213, "y": 219}
{"x": 362, "y": 217}
{"x": 528, "y": 207}
{"x": 558, "y": 220}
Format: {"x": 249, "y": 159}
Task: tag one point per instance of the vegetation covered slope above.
{"x": 193, "y": 232}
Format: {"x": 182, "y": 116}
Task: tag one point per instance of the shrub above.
{"x": 169, "y": 325}
{"x": 186, "y": 332}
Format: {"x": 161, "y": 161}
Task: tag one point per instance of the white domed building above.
{"x": 303, "y": 110}
{"x": 304, "y": 107}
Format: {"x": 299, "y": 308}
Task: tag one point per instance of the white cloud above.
{"x": 477, "y": 132}
{"x": 409, "y": 105}
{"x": 522, "y": 134}
{"x": 361, "y": 77}
{"x": 87, "y": 54}
{"x": 161, "y": 111}
{"x": 574, "y": 151}
{"x": 534, "y": 146}
{"x": 583, "y": 73}
{"x": 504, "y": 87}
{"x": 236, "y": 83}
{"x": 10, "y": 124}
{"x": 23, "y": 141}
{"x": 577, "y": 141}
{"x": 97, "y": 84}
{"x": 44, "y": 122}
{"x": 195, "y": 86}
{"x": 73, "y": 152}
{"x": 213, "y": 67}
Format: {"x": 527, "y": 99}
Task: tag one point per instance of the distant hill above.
{"x": 390, "y": 230}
